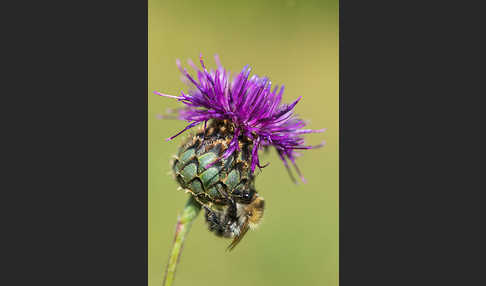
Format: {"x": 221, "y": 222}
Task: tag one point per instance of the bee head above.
{"x": 254, "y": 211}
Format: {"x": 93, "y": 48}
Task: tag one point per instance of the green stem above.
{"x": 184, "y": 222}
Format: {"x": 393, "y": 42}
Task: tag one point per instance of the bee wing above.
{"x": 238, "y": 238}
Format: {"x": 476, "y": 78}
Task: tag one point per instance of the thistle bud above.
{"x": 200, "y": 169}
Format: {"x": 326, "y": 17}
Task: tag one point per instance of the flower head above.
{"x": 254, "y": 109}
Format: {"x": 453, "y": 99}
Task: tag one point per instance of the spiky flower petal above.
{"x": 250, "y": 104}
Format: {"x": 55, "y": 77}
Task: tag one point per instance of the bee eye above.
{"x": 247, "y": 196}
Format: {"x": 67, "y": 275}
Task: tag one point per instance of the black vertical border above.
{"x": 76, "y": 201}
{"x": 408, "y": 143}
{"x": 374, "y": 191}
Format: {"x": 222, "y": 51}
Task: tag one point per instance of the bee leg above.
{"x": 232, "y": 210}
{"x": 206, "y": 206}
{"x": 223, "y": 193}
{"x": 239, "y": 236}
{"x": 214, "y": 223}
{"x": 231, "y": 220}
{"x": 223, "y": 222}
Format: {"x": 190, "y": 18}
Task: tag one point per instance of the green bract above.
{"x": 200, "y": 171}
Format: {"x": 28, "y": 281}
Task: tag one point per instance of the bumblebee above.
{"x": 234, "y": 219}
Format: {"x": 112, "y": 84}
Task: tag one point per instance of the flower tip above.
{"x": 217, "y": 60}
{"x": 191, "y": 63}
{"x": 323, "y": 143}
{"x": 179, "y": 65}
{"x": 167, "y": 95}
{"x": 202, "y": 61}
{"x": 246, "y": 70}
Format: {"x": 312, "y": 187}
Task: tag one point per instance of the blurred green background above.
{"x": 295, "y": 43}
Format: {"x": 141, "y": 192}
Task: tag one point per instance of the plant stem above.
{"x": 184, "y": 222}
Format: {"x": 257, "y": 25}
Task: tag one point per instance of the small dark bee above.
{"x": 234, "y": 219}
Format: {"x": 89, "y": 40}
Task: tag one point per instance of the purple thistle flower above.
{"x": 250, "y": 104}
